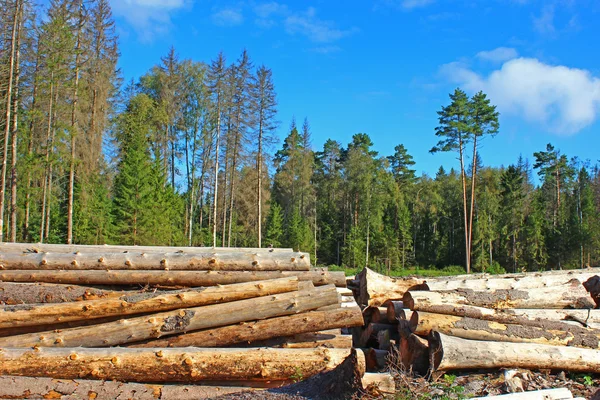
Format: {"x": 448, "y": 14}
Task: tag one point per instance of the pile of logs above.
{"x": 547, "y": 320}
{"x": 193, "y": 322}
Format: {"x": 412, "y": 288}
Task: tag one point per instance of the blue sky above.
{"x": 384, "y": 67}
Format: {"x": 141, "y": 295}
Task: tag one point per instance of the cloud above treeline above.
{"x": 563, "y": 100}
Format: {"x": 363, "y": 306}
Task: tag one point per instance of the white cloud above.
{"x": 317, "y": 30}
{"x": 148, "y": 17}
{"x": 410, "y": 4}
{"x": 228, "y": 17}
{"x": 498, "y": 55}
{"x": 544, "y": 24}
{"x": 563, "y": 100}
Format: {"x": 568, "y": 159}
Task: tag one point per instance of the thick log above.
{"x": 533, "y": 281}
{"x": 90, "y": 248}
{"x": 376, "y": 359}
{"x": 567, "y": 296}
{"x": 178, "y": 321}
{"x": 168, "y": 278}
{"x": 264, "y": 329}
{"x": 33, "y": 293}
{"x": 378, "y": 383}
{"x": 384, "y": 340}
{"x": 41, "y": 314}
{"x": 592, "y": 285}
{"x": 589, "y": 318}
{"x": 424, "y": 323}
{"x": 23, "y": 387}
{"x": 369, "y": 335}
{"x": 170, "y": 365}
{"x": 413, "y": 350}
{"x": 307, "y": 341}
{"x": 545, "y": 394}
{"x": 371, "y": 314}
{"x": 393, "y": 310}
{"x": 449, "y": 353}
{"x": 375, "y": 289}
{"x": 232, "y": 261}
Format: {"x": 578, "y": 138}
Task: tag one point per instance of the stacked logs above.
{"x": 212, "y": 320}
{"x": 536, "y": 321}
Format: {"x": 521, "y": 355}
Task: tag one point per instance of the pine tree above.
{"x": 274, "y": 229}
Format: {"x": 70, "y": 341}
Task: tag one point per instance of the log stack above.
{"x": 195, "y": 321}
{"x": 537, "y": 321}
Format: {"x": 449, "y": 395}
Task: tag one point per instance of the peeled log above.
{"x": 33, "y": 293}
{"x": 380, "y": 383}
{"x": 23, "y": 387}
{"x": 168, "y": 278}
{"x": 170, "y": 365}
{"x": 232, "y": 261}
{"x": 566, "y": 296}
{"x": 544, "y": 394}
{"x": 449, "y": 353}
{"x": 423, "y": 323}
{"x": 530, "y": 281}
{"x": 265, "y": 329}
{"x": 308, "y": 340}
{"x": 178, "y": 321}
{"x": 583, "y": 317}
{"x": 375, "y": 289}
{"x": 28, "y": 315}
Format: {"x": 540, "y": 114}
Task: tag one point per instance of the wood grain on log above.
{"x": 544, "y": 394}
{"x": 379, "y": 383}
{"x": 534, "y": 281}
{"x": 178, "y": 321}
{"x": 42, "y": 314}
{"x": 413, "y": 350}
{"x": 375, "y": 288}
{"x": 168, "y": 278}
{"x": 33, "y": 293}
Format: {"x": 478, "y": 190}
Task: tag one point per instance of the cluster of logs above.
{"x": 194, "y": 322}
{"x": 535, "y": 321}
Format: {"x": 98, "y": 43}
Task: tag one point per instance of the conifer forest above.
{"x": 193, "y": 153}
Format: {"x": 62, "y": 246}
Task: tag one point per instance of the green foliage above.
{"x": 274, "y": 228}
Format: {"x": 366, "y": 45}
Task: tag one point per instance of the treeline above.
{"x": 188, "y": 155}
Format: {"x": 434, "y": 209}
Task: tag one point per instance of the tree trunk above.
{"x": 184, "y": 320}
{"x": 309, "y": 340}
{"x": 375, "y": 288}
{"x": 171, "y": 365}
{"x": 413, "y": 351}
{"x": 168, "y": 278}
{"x": 590, "y": 318}
{"x": 14, "y": 135}
{"x": 32, "y": 293}
{"x": 472, "y": 209}
{"x": 464, "y": 188}
{"x": 216, "y": 198}
{"x": 262, "y": 330}
{"x": 447, "y": 353}
{"x": 46, "y": 314}
{"x": 212, "y": 261}
{"x": 63, "y": 248}
{"x": 516, "y": 282}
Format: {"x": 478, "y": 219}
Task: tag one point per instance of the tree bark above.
{"x": 545, "y": 394}
{"x": 232, "y": 261}
{"x": 63, "y": 248}
{"x": 539, "y": 274}
{"x": 168, "y": 278}
{"x": 15, "y": 132}
{"x": 309, "y": 340}
{"x": 375, "y": 288}
{"x": 262, "y": 330}
{"x": 171, "y": 365}
{"x": 529, "y": 281}
{"x": 376, "y": 359}
{"x": 32, "y": 293}
{"x": 47, "y": 314}
{"x": 588, "y": 317}
{"x": 184, "y": 320}
{"x": 449, "y": 353}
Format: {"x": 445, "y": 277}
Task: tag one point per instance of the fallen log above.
{"x": 413, "y": 351}
{"x": 539, "y": 274}
{"x": 33, "y": 293}
{"x": 306, "y": 341}
{"x": 592, "y": 285}
{"x": 393, "y": 310}
{"x": 567, "y": 296}
{"x": 545, "y": 394}
{"x": 170, "y": 365}
{"x": 231, "y": 261}
{"x": 378, "y": 383}
{"x": 47, "y": 314}
{"x": 423, "y": 323}
{"x": 515, "y": 282}
{"x": 376, "y": 359}
{"x": 375, "y": 289}
{"x": 23, "y": 387}
{"x": 589, "y": 318}
{"x": 447, "y": 353}
{"x": 172, "y": 322}
{"x": 168, "y": 278}
{"x": 262, "y": 330}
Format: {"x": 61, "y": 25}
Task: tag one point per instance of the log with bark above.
{"x": 178, "y": 321}
{"x": 413, "y": 350}
{"x": 538, "y": 274}
{"x": 378, "y": 383}
{"x": 423, "y": 323}
{"x": 448, "y": 353}
{"x": 544, "y": 394}
{"x": 222, "y": 261}
{"x": 33, "y": 293}
{"x": 376, "y": 359}
{"x": 592, "y": 285}
{"x": 168, "y": 278}
{"x": 262, "y": 330}
{"x": 393, "y": 310}
{"x": 533, "y": 281}
{"x": 566, "y": 296}
{"x": 329, "y": 338}
{"x": 23, "y": 387}
{"x": 44, "y": 314}
{"x": 170, "y": 365}
{"x": 588, "y": 318}
{"x": 375, "y": 289}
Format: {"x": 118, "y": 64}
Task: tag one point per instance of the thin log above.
{"x": 170, "y": 365}
{"x": 66, "y": 248}
{"x": 307, "y": 341}
{"x": 538, "y": 274}
{"x": 222, "y": 261}
{"x": 46, "y": 314}
{"x": 517, "y": 282}
{"x": 375, "y": 289}
{"x": 378, "y": 383}
{"x": 588, "y": 318}
{"x": 168, "y": 278}
{"x": 545, "y": 394}
{"x": 448, "y": 353}
{"x": 174, "y": 322}
{"x": 33, "y": 293}
{"x": 264, "y": 329}
{"x": 423, "y": 323}
{"x": 23, "y": 387}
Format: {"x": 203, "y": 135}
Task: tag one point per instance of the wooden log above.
{"x": 423, "y": 323}
{"x": 544, "y": 394}
{"x": 375, "y": 289}
{"x": 170, "y": 365}
{"x": 448, "y": 353}
{"x": 33, "y": 293}
{"x": 232, "y": 261}
{"x": 589, "y": 318}
{"x": 168, "y": 278}
{"x": 23, "y": 387}
{"x": 42, "y": 314}
{"x": 306, "y": 341}
{"x": 538, "y": 274}
{"x": 368, "y": 337}
{"x": 393, "y": 310}
{"x": 384, "y": 340}
{"x": 264, "y": 329}
{"x": 371, "y": 314}
{"x": 376, "y": 359}
{"x": 413, "y": 351}
{"x": 592, "y": 285}
{"x": 379, "y": 383}
{"x": 178, "y": 321}
{"x": 568, "y": 296}
{"x": 533, "y": 281}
